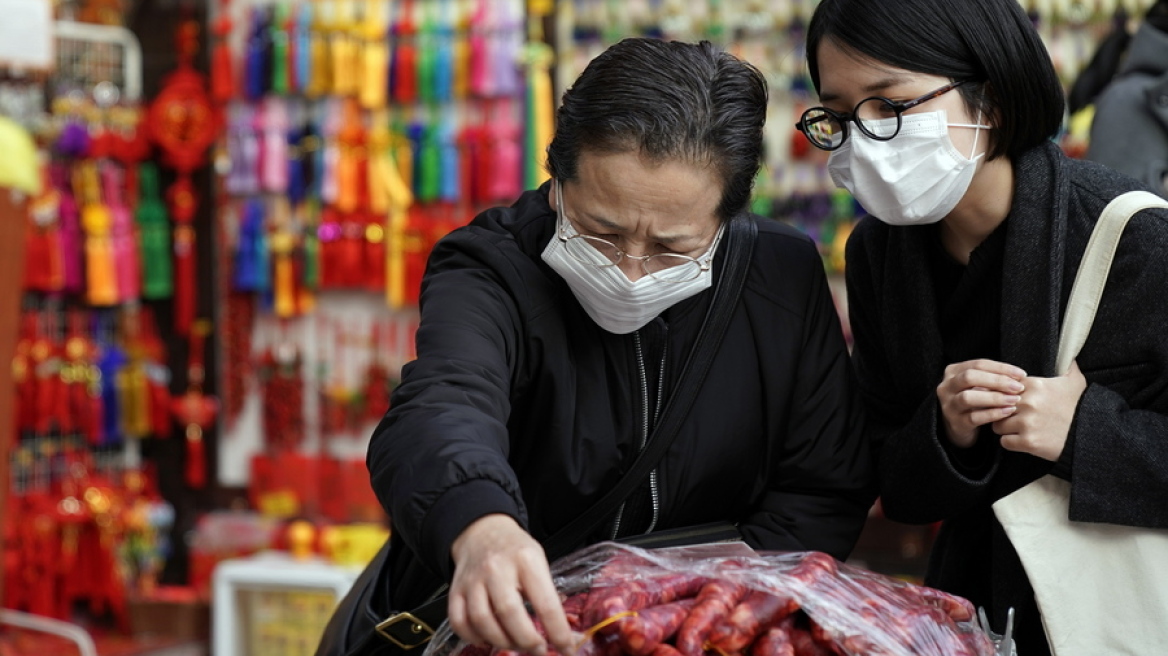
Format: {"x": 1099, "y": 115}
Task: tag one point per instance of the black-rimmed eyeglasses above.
{"x": 877, "y": 117}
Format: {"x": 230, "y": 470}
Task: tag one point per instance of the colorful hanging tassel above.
{"x": 400, "y": 198}
{"x": 507, "y": 164}
{"x": 274, "y": 171}
{"x": 282, "y": 244}
{"x": 100, "y": 265}
{"x": 405, "y": 71}
{"x": 258, "y": 50}
{"x": 303, "y": 49}
{"x": 540, "y": 120}
{"x": 278, "y": 36}
{"x": 125, "y": 242}
{"x": 154, "y": 228}
{"x": 351, "y": 140}
{"x": 375, "y": 58}
{"x": 223, "y": 85}
{"x": 69, "y": 239}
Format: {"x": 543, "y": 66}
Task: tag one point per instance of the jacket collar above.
{"x": 1032, "y": 267}
{"x": 1035, "y": 260}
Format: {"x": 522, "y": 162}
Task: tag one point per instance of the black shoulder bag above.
{"x": 403, "y": 632}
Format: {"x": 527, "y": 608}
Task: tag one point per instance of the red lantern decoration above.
{"x": 184, "y": 124}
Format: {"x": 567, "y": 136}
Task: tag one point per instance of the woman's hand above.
{"x": 1043, "y": 420}
{"x": 975, "y": 393}
{"x": 497, "y": 567}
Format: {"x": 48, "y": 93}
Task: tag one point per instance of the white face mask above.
{"x": 614, "y": 302}
{"x": 917, "y": 177}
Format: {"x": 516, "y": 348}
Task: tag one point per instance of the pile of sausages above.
{"x": 639, "y": 603}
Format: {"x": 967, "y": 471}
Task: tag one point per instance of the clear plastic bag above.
{"x": 727, "y": 600}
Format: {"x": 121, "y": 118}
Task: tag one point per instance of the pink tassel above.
{"x": 274, "y": 171}
{"x": 125, "y": 238}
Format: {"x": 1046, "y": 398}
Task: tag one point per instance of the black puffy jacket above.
{"x": 519, "y": 403}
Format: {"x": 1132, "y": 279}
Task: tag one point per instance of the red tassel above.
{"x": 96, "y": 413}
{"x": 36, "y": 248}
{"x": 374, "y": 254}
{"x": 222, "y": 73}
{"x": 196, "y": 465}
{"x": 184, "y": 278}
{"x": 349, "y": 253}
{"x": 159, "y": 410}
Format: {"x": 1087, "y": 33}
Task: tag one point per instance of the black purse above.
{"x": 356, "y": 628}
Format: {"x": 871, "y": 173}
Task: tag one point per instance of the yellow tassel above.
{"x": 460, "y": 55}
{"x": 282, "y": 242}
{"x": 379, "y": 156}
{"x": 321, "y": 83}
{"x": 100, "y": 267}
{"x": 544, "y": 103}
{"x": 375, "y": 68}
{"x": 400, "y": 199}
{"x": 135, "y": 402}
{"x": 346, "y": 75}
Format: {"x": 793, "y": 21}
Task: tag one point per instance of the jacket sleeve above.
{"x": 922, "y": 479}
{"x": 1119, "y": 436}
{"x": 438, "y": 459}
{"x": 1120, "y": 471}
{"x": 823, "y": 484}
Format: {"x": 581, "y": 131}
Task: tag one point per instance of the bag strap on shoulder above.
{"x": 1093, "y": 271}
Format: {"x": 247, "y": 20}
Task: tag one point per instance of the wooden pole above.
{"x": 12, "y": 226}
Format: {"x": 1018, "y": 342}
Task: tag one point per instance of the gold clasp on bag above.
{"x": 417, "y": 627}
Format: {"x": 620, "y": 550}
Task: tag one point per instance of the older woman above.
{"x": 556, "y": 332}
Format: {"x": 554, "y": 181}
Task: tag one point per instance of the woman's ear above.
{"x": 554, "y": 194}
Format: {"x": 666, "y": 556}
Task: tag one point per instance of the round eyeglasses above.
{"x": 877, "y": 117}
{"x": 599, "y": 252}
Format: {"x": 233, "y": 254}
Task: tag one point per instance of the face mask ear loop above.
{"x": 560, "y": 220}
{"x": 976, "y": 135}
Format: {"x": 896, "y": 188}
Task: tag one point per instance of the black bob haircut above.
{"x": 667, "y": 100}
{"x": 990, "y": 42}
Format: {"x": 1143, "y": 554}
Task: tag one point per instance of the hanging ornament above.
{"x": 538, "y": 58}
{"x": 390, "y": 165}
{"x": 377, "y": 386}
{"x": 69, "y": 236}
{"x": 405, "y": 66}
{"x": 278, "y": 37}
{"x": 275, "y": 122}
{"x": 374, "y": 56}
{"x": 125, "y": 242}
{"x": 154, "y": 228}
{"x": 223, "y": 86}
{"x": 96, "y": 221}
{"x": 282, "y": 393}
{"x": 258, "y": 62}
{"x": 184, "y": 124}
{"x": 43, "y": 268}
{"x": 283, "y": 243}
{"x": 194, "y": 411}
{"x": 320, "y": 82}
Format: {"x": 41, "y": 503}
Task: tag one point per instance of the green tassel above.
{"x": 311, "y": 246}
{"x": 280, "y": 50}
{"x": 154, "y": 225}
{"x": 430, "y": 167}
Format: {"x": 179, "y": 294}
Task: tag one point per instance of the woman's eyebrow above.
{"x": 868, "y": 89}
{"x": 609, "y": 224}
